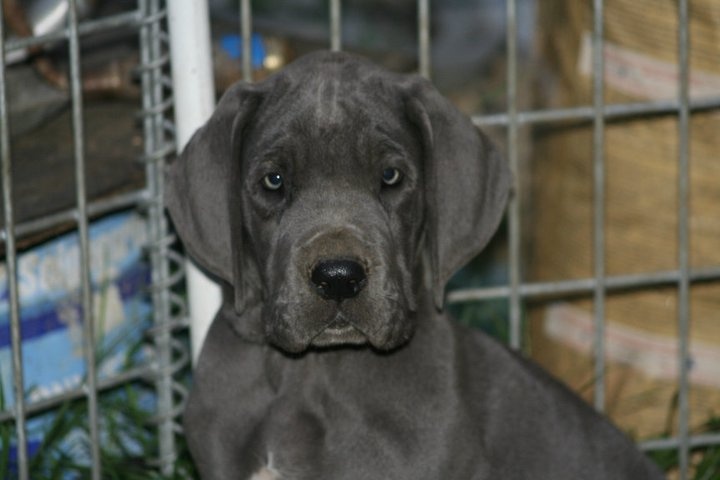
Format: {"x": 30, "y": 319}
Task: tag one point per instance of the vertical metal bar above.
{"x": 424, "y": 37}
{"x": 11, "y": 260}
{"x": 246, "y": 34}
{"x": 151, "y": 51}
{"x": 683, "y": 237}
{"x": 335, "y": 26}
{"x": 163, "y": 339}
{"x": 599, "y": 202}
{"x": 512, "y": 150}
{"x": 82, "y": 220}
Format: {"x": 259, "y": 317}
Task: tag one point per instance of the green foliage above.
{"x": 705, "y": 459}
{"x": 5, "y": 435}
{"x": 486, "y": 270}
{"x": 129, "y": 440}
{"x": 129, "y": 437}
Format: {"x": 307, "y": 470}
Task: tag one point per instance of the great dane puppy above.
{"x": 333, "y": 201}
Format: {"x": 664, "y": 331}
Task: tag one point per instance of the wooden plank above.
{"x": 43, "y": 168}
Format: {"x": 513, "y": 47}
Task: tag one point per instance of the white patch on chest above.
{"x": 268, "y": 472}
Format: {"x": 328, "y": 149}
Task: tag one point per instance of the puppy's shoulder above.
{"x": 528, "y": 410}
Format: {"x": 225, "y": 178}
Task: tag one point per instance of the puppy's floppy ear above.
{"x": 202, "y": 184}
{"x": 467, "y": 182}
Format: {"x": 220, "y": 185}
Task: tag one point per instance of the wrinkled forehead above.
{"x": 333, "y": 103}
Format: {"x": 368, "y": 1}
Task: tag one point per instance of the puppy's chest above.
{"x": 268, "y": 471}
{"x": 330, "y": 436}
{"x": 330, "y": 419}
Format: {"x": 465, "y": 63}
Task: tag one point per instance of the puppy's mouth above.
{"x": 339, "y": 331}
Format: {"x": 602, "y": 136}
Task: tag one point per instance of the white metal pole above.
{"x": 194, "y": 94}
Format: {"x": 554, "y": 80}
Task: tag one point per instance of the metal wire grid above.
{"x": 169, "y": 309}
{"x": 599, "y": 113}
{"x": 148, "y": 18}
{"x": 517, "y": 291}
{"x": 170, "y": 355}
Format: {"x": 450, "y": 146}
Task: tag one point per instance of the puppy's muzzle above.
{"x": 338, "y": 279}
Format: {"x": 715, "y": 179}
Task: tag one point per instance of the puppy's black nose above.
{"x": 338, "y": 279}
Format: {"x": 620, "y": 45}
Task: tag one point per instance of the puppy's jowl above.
{"x": 333, "y": 201}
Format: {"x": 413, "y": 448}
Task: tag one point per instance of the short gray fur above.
{"x": 400, "y": 391}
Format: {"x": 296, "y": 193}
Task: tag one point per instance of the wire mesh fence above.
{"x": 147, "y": 20}
{"x": 169, "y": 355}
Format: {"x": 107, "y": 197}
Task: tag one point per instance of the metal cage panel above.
{"x": 149, "y": 20}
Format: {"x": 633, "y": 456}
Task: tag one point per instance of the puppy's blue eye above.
{"x": 272, "y": 181}
{"x": 391, "y": 176}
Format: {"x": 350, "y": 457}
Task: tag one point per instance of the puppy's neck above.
{"x": 246, "y": 324}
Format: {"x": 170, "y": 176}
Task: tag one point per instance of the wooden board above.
{"x": 43, "y": 172}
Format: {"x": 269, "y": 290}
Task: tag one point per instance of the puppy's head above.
{"x": 315, "y": 194}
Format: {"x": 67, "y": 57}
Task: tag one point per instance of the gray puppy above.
{"x": 333, "y": 201}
